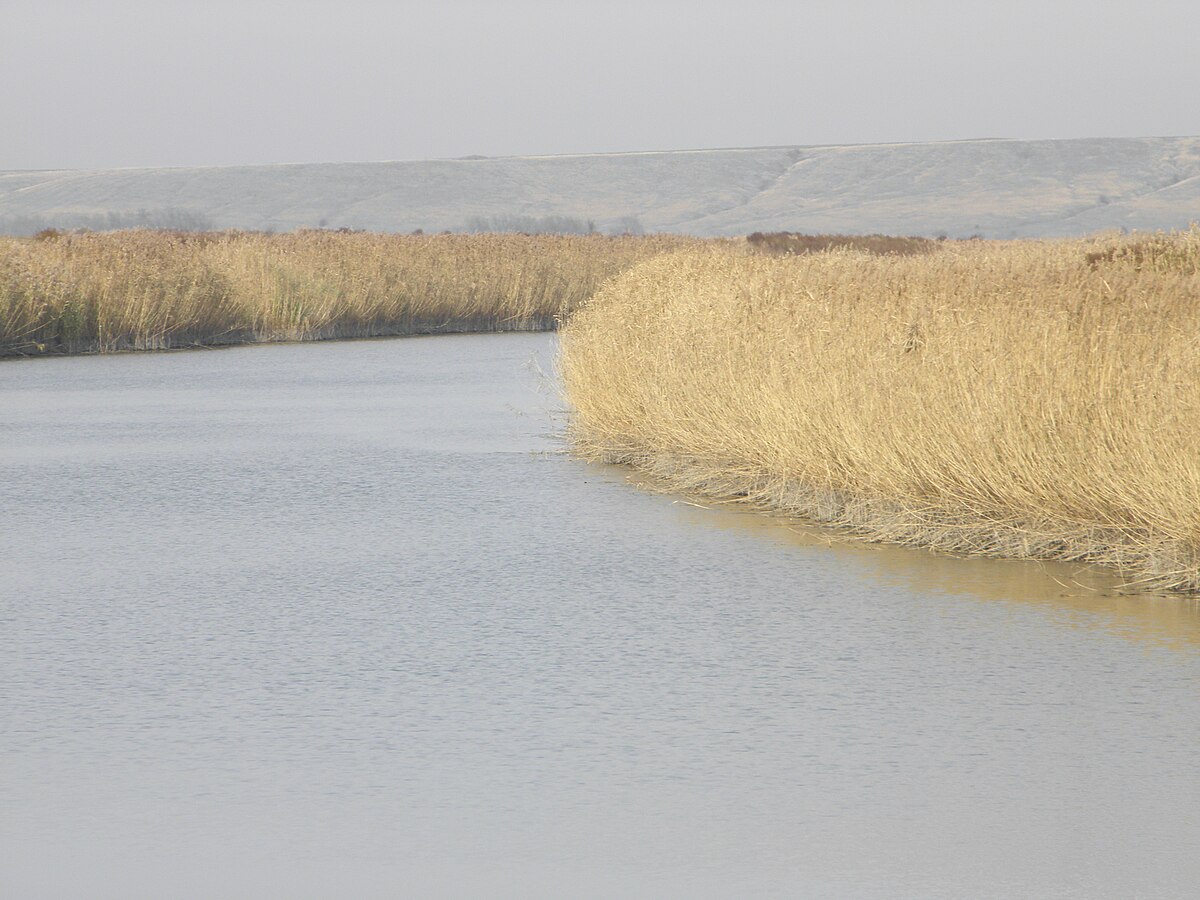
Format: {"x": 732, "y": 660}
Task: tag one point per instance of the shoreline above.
{"x": 347, "y": 333}
{"x": 939, "y": 529}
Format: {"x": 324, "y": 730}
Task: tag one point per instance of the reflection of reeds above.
{"x": 155, "y": 289}
{"x": 1017, "y": 399}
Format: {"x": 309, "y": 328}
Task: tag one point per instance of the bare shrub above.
{"x": 531, "y": 225}
{"x": 1159, "y": 252}
{"x": 166, "y": 218}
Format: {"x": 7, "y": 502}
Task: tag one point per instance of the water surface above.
{"x": 341, "y": 620}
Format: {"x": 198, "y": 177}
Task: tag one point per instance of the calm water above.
{"x": 340, "y": 620}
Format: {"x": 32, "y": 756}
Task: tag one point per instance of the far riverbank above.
{"x": 67, "y": 293}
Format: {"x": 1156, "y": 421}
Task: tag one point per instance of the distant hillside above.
{"x": 995, "y": 188}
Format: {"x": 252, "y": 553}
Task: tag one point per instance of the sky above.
{"x": 132, "y": 83}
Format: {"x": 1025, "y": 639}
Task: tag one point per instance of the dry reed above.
{"x": 142, "y": 290}
{"x": 790, "y": 243}
{"x": 1018, "y": 399}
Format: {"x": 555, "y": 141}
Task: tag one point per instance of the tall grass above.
{"x": 1017, "y": 399}
{"x": 137, "y": 290}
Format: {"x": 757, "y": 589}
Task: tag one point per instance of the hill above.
{"x": 994, "y": 188}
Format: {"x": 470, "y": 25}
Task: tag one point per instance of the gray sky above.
{"x": 126, "y": 83}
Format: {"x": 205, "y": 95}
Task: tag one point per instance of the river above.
{"x": 344, "y": 620}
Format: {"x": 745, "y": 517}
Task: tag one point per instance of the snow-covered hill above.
{"x": 996, "y": 188}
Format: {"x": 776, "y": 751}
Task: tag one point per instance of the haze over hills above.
{"x": 994, "y": 188}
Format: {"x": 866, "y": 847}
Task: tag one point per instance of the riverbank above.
{"x": 1021, "y": 399}
{"x": 333, "y": 333}
{"x": 157, "y": 290}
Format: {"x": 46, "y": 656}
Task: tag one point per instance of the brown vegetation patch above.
{"x": 1159, "y": 252}
{"x": 788, "y": 243}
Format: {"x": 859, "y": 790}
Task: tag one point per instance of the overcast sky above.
{"x": 125, "y": 83}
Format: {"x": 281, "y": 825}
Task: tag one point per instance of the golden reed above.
{"x": 1021, "y": 399}
{"x": 147, "y": 290}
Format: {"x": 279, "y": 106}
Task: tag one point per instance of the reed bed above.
{"x": 148, "y": 290}
{"x": 1018, "y": 399}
